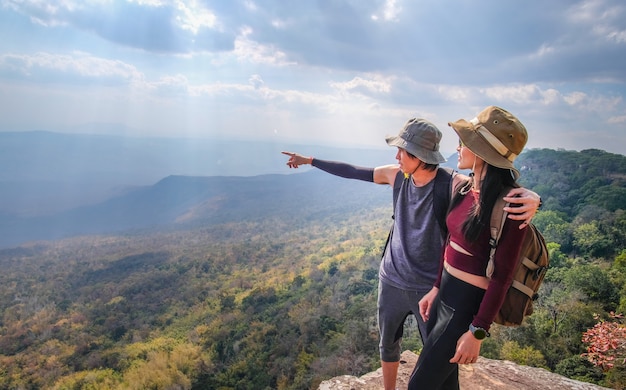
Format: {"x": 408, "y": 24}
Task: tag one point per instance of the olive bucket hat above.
{"x": 495, "y": 135}
{"x": 420, "y": 138}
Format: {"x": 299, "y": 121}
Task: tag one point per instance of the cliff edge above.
{"x": 486, "y": 374}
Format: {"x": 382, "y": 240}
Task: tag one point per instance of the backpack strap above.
{"x": 397, "y": 183}
{"x": 442, "y": 194}
{"x": 498, "y": 218}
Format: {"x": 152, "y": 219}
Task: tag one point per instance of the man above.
{"x": 411, "y": 257}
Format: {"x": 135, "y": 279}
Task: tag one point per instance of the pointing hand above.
{"x": 295, "y": 159}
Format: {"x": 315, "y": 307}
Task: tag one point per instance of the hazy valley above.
{"x": 58, "y": 185}
{"x": 232, "y": 281}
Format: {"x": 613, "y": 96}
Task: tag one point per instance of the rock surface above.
{"x": 486, "y": 374}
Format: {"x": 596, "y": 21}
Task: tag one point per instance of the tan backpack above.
{"x": 531, "y": 268}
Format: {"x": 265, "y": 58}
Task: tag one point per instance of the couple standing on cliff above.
{"x": 434, "y": 208}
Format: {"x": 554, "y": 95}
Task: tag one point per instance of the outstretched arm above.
{"x": 528, "y": 202}
{"x": 333, "y": 167}
{"x": 379, "y": 175}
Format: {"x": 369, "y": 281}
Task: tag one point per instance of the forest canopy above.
{"x": 286, "y": 301}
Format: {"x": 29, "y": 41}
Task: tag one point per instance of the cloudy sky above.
{"x": 326, "y": 72}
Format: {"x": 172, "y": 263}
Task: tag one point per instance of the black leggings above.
{"x": 452, "y": 312}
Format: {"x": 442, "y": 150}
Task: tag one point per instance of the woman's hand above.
{"x": 427, "y": 302}
{"x": 295, "y": 159}
{"x": 467, "y": 349}
{"x": 529, "y": 202}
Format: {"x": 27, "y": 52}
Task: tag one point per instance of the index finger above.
{"x": 288, "y": 153}
{"x": 456, "y": 358}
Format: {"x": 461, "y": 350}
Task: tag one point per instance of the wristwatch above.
{"x": 478, "y": 332}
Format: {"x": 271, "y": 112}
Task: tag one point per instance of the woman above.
{"x": 463, "y": 302}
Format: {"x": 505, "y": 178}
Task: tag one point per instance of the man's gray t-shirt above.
{"x": 411, "y": 258}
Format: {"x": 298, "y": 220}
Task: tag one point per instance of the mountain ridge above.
{"x": 183, "y": 201}
{"x": 47, "y": 172}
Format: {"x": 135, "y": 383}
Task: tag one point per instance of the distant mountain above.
{"x": 59, "y": 185}
{"x": 44, "y": 172}
{"x": 184, "y": 201}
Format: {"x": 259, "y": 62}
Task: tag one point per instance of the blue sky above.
{"x": 325, "y": 72}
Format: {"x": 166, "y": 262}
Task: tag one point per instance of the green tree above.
{"x": 527, "y": 356}
{"x": 590, "y": 241}
{"x": 554, "y": 227}
{"x": 594, "y": 282}
{"x": 579, "y": 368}
{"x": 609, "y": 197}
{"x": 557, "y": 258}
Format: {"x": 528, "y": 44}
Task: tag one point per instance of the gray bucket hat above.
{"x": 420, "y": 138}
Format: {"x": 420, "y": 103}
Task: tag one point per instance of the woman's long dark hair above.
{"x": 494, "y": 182}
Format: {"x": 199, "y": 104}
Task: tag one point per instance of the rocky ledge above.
{"x": 486, "y": 374}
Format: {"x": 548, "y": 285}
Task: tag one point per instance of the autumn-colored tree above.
{"x": 606, "y": 343}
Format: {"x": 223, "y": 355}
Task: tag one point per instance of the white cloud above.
{"x": 390, "y": 11}
{"x": 250, "y": 5}
{"x": 519, "y": 94}
{"x": 544, "y": 50}
{"x": 358, "y": 84}
{"x": 220, "y": 89}
{"x": 454, "y": 93}
{"x": 162, "y": 63}
{"x": 600, "y": 17}
{"x": 193, "y": 16}
{"x": 551, "y": 96}
{"x": 280, "y": 24}
{"x": 76, "y": 65}
{"x": 254, "y": 52}
{"x": 41, "y": 12}
{"x": 586, "y": 11}
{"x": 575, "y": 98}
{"x": 617, "y": 36}
{"x": 170, "y": 86}
{"x": 256, "y": 81}
{"x": 175, "y": 26}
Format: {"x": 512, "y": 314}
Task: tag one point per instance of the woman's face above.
{"x": 467, "y": 159}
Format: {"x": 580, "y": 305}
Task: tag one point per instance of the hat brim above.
{"x": 480, "y": 147}
{"x": 427, "y": 156}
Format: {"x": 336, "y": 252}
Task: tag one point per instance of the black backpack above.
{"x": 531, "y": 268}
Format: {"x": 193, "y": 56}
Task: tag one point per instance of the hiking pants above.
{"x": 452, "y": 312}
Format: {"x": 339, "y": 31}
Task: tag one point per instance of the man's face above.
{"x": 407, "y": 163}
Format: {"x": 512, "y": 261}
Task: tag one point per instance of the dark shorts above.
{"x": 394, "y": 306}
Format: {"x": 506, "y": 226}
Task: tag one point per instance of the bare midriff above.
{"x": 474, "y": 280}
